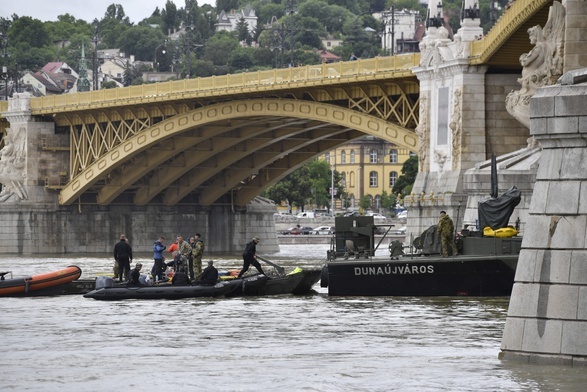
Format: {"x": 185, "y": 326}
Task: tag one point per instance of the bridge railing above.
{"x": 519, "y": 12}
{"x": 400, "y": 64}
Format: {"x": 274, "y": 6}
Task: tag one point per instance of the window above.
{"x": 352, "y": 179}
{"x": 327, "y": 157}
{"x": 343, "y": 156}
{"x": 392, "y": 179}
{"x": 352, "y": 156}
{"x": 393, "y": 156}
{"x": 343, "y": 179}
{"x": 373, "y": 155}
{"x": 377, "y": 201}
{"x": 373, "y": 179}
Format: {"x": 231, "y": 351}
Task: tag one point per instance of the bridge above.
{"x": 224, "y": 139}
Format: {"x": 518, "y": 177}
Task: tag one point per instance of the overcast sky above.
{"x": 88, "y": 10}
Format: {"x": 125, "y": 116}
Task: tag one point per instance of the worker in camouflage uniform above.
{"x": 197, "y": 253}
{"x": 446, "y": 232}
{"x": 184, "y": 249}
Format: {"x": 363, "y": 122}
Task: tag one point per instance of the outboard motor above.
{"x": 104, "y": 282}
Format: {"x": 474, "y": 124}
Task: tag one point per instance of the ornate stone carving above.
{"x": 456, "y": 128}
{"x": 422, "y": 132}
{"x": 12, "y": 166}
{"x": 434, "y": 47}
{"x": 543, "y": 65}
{"x": 440, "y": 158}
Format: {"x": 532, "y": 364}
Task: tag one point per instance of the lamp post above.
{"x": 5, "y": 55}
{"x": 95, "y": 60}
{"x": 495, "y": 11}
{"x": 434, "y": 20}
{"x": 279, "y": 34}
{"x": 291, "y": 10}
{"x": 189, "y": 27}
{"x": 389, "y": 21}
{"x": 332, "y": 189}
{"x": 163, "y": 52}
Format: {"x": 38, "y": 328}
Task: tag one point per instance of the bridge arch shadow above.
{"x": 225, "y": 152}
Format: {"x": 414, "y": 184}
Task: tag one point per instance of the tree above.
{"x": 295, "y": 189}
{"x": 169, "y": 17}
{"x": 109, "y": 84}
{"x": 219, "y": 46}
{"x": 388, "y": 201}
{"x": 241, "y": 60}
{"x": 141, "y": 41}
{"x": 309, "y": 184}
{"x": 405, "y": 182}
{"x": 242, "y": 31}
{"x": 366, "y": 202}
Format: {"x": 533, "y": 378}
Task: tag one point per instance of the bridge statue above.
{"x": 543, "y": 65}
{"x": 13, "y": 157}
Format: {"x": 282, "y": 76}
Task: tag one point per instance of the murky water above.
{"x": 280, "y": 343}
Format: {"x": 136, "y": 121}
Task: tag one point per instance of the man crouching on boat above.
{"x": 135, "y": 276}
{"x": 209, "y": 276}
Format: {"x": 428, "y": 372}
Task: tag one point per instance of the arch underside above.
{"x": 223, "y": 153}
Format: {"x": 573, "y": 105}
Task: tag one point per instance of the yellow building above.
{"x": 368, "y": 167}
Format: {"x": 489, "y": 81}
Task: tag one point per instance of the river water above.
{"x": 279, "y": 343}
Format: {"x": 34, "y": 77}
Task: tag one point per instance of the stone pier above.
{"x": 547, "y": 317}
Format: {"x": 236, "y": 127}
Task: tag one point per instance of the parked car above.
{"x": 296, "y": 230}
{"x": 402, "y": 214}
{"x": 400, "y": 231}
{"x": 292, "y": 230}
{"x": 376, "y": 215}
{"x": 352, "y": 213}
{"x": 306, "y": 230}
{"x": 323, "y": 230}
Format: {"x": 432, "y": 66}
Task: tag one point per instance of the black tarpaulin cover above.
{"x": 495, "y": 212}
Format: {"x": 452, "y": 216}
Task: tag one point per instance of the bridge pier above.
{"x": 48, "y": 229}
{"x": 462, "y": 122}
{"x": 547, "y": 316}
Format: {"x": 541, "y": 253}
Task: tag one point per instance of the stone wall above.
{"x": 547, "y": 316}
{"x": 503, "y": 133}
{"x": 54, "y": 230}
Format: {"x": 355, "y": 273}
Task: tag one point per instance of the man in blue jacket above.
{"x": 158, "y": 268}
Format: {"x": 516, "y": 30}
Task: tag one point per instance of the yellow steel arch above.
{"x": 137, "y": 148}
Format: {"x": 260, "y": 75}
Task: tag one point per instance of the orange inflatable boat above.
{"x": 42, "y": 284}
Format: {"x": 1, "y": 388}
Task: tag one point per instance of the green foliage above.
{"x": 141, "y": 41}
{"x": 366, "y": 202}
{"x": 241, "y": 60}
{"x": 169, "y": 17}
{"x": 388, "y": 201}
{"x": 29, "y": 32}
{"x": 309, "y": 184}
{"x": 109, "y": 84}
{"x": 406, "y": 181}
{"x": 110, "y": 30}
{"x": 242, "y": 30}
{"x": 219, "y": 46}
